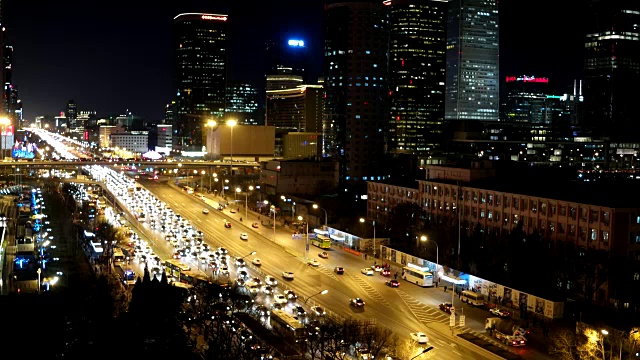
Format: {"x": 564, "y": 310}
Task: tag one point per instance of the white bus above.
{"x": 118, "y": 256}
{"x": 473, "y": 298}
{"x": 418, "y": 277}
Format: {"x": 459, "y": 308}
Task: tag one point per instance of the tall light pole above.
{"x": 231, "y": 124}
{"x": 316, "y": 294}
{"x": 273, "y": 210}
{"x": 210, "y": 125}
{"x": 306, "y": 246}
{"x": 249, "y": 254}
{"x": 362, "y": 220}
{"x": 424, "y": 238}
{"x": 202, "y": 178}
{"x": 246, "y": 201}
{"x": 315, "y": 206}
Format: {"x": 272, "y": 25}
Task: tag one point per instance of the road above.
{"x": 392, "y": 308}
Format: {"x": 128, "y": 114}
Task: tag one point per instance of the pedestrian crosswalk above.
{"x": 369, "y": 290}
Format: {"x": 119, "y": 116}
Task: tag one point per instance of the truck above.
{"x": 506, "y": 331}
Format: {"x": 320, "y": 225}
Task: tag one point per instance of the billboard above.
{"x": 24, "y": 150}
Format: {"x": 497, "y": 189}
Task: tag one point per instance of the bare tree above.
{"x": 563, "y": 344}
{"x": 590, "y": 345}
{"x": 376, "y": 338}
{"x": 405, "y": 349}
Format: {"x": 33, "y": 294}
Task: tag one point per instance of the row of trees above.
{"x": 588, "y": 343}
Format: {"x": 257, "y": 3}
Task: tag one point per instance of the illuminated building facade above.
{"x": 612, "y": 67}
{"x": 242, "y": 103}
{"x": 417, "y": 75}
{"x": 287, "y": 56}
{"x": 201, "y": 66}
{"x": 297, "y": 109}
{"x": 356, "y": 87}
{"x": 472, "y": 85}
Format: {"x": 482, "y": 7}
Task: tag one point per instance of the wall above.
{"x": 248, "y": 140}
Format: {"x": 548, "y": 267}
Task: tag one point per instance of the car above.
{"x": 324, "y": 255}
{"x": 338, "y": 270}
{"x": 232, "y": 210}
{"x": 318, "y": 311}
{"x": 419, "y": 337}
{"x": 356, "y": 302}
{"x": 205, "y": 211}
{"x": 244, "y": 236}
{"x": 385, "y": 272}
{"x": 299, "y": 311}
{"x": 240, "y": 282}
{"x": 446, "y": 307}
{"x": 227, "y": 224}
{"x": 254, "y": 225}
{"x": 256, "y": 262}
{"x": 377, "y": 268}
{"x": 290, "y": 294}
{"x": 500, "y": 312}
{"x": 367, "y": 271}
{"x": 268, "y": 290}
{"x": 280, "y": 299}
{"x": 224, "y": 270}
{"x": 270, "y": 280}
{"x": 392, "y": 283}
{"x": 287, "y": 275}
{"x": 313, "y": 262}
{"x": 254, "y": 289}
{"x": 240, "y": 263}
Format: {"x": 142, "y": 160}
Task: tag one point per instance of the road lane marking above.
{"x": 370, "y": 290}
{"x": 455, "y": 352}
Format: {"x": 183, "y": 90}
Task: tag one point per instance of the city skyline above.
{"x": 62, "y": 54}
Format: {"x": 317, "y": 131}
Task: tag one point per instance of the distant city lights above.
{"x": 298, "y": 43}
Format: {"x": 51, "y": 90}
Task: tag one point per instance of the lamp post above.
{"x": 423, "y": 351}
{"x": 249, "y": 254}
{"x": 231, "y": 124}
{"x": 315, "y": 206}
{"x": 39, "y": 271}
{"x": 604, "y": 333}
{"x": 362, "y": 220}
{"x": 246, "y": 201}
{"x": 202, "y": 178}
{"x": 424, "y": 238}
{"x": 273, "y": 210}
{"x": 210, "y": 125}
{"x": 306, "y": 246}
{"x": 316, "y": 294}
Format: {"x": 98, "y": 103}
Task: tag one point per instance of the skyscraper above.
{"x": 612, "y": 66}
{"x": 356, "y": 85}
{"x": 417, "y": 75}
{"x": 242, "y": 103}
{"x": 472, "y": 86}
{"x": 288, "y": 54}
{"x": 201, "y": 58}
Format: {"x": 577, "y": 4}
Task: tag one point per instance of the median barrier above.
{"x": 353, "y": 252}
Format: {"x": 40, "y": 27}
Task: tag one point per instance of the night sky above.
{"x": 114, "y": 55}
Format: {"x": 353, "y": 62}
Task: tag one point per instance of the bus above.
{"x": 183, "y": 286}
{"x": 188, "y": 189}
{"x": 287, "y": 324}
{"x": 193, "y": 278}
{"x": 174, "y": 267}
{"x": 118, "y": 256}
{"x": 418, "y": 277}
{"x": 473, "y": 298}
{"x": 321, "y": 241}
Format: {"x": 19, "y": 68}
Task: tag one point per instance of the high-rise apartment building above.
{"x": 356, "y": 86}
{"x": 242, "y": 103}
{"x": 612, "y": 66}
{"x": 201, "y": 57}
{"x": 472, "y": 86}
{"x": 417, "y": 75}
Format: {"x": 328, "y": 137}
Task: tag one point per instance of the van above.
{"x": 473, "y": 298}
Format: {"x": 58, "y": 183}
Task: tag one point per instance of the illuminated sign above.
{"x": 214, "y": 17}
{"x": 298, "y": 43}
{"x": 531, "y": 79}
{"x": 386, "y": 3}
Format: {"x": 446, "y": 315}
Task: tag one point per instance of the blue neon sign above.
{"x": 298, "y": 43}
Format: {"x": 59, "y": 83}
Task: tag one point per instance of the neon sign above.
{"x": 214, "y": 17}
{"x": 531, "y": 79}
{"x": 298, "y": 43}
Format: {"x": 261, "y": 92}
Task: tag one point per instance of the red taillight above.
{"x": 521, "y": 341}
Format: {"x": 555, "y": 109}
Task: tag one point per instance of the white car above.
{"x": 224, "y": 270}
{"x": 318, "y": 311}
{"x": 244, "y": 236}
{"x": 313, "y": 262}
{"x": 256, "y": 262}
{"x": 367, "y": 271}
{"x": 419, "y": 337}
{"x": 270, "y": 280}
{"x": 287, "y": 275}
{"x": 254, "y": 289}
{"x": 280, "y": 299}
{"x": 205, "y": 211}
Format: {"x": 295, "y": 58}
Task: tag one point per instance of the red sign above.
{"x": 8, "y": 130}
{"x": 531, "y": 79}
{"x": 214, "y": 17}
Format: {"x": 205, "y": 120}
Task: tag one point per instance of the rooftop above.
{"x": 602, "y": 193}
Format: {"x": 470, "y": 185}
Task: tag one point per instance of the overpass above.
{"x": 40, "y": 164}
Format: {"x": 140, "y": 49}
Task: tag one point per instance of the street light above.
{"x": 424, "y": 238}
{"x": 210, "y": 125}
{"x": 423, "y": 351}
{"x": 604, "y": 333}
{"x": 273, "y": 210}
{"x": 202, "y": 178}
{"x": 249, "y": 254}
{"x": 315, "y": 206}
{"x": 246, "y": 201}
{"x": 316, "y": 294}
{"x": 231, "y": 124}
{"x": 362, "y": 220}
{"x": 306, "y": 248}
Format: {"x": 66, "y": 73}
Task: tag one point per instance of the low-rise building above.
{"x": 299, "y": 177}
{"x": 134, "y": 141}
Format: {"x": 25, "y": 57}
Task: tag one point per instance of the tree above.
{"x": 376, "y": 338}
{"x": 563, "y": 344}
{"x": 591, "y": 345}
{"x": 407, "y": 349}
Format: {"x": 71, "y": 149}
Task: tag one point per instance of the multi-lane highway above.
{"x": 391, "y": 308}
